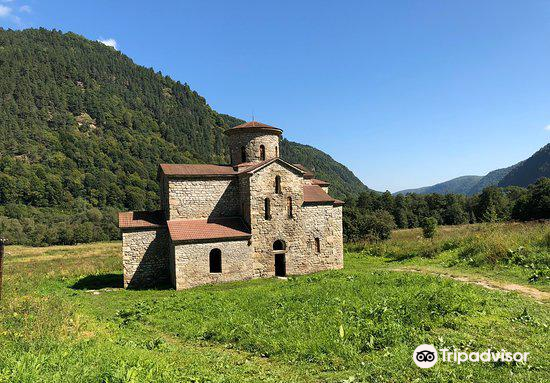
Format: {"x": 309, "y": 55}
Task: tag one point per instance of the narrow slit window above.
{"x": 289, "y": 207}
{"x": 243, "y": 154}
{"x": 267, "y": 208}
{"x": 278, "y": 184}
{"x": 215, "y": 261}
{"x": 276, "y": 151}
{"x": 317, "y": 245}
{"x": 262, "y": 153}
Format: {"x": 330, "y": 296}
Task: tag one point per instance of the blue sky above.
{"x": 405, "y": 93}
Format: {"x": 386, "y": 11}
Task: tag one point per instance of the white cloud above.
{"x": 4, "y": 11}
{"x": 108, "y": 42}
{"x": 25, "y": 8}
{"x": 547, "y": 127}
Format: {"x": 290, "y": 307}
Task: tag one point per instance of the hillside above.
{"x": 459, "y": 185}
{"x": 523, "y": 174}
{"x": 530, "y": 170}
{"x": 82, "y": 127}
{"x": 491, "y": 179}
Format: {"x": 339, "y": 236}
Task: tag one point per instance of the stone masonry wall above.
{"x": 323, "y": 222}
{"x": 279, "y": 227}
{"x": 200, "y": 199}
{"x": 252, "y": 141}
{"x": 145, "y": 257}
{"x": 192, "y": 265}
{"x": 244, "y": 193}
{"x": 164, "y": 197}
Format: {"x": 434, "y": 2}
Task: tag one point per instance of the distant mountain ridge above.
{"x": 523, "y": 174}
{"x": 530, "y": 170}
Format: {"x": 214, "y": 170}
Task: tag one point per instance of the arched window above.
{"x": 279, "y": 248}
{"x": 278, "y": 184}
{"x": 243, "y": 154}
{"x": 289, "y": 207}
{"x": 262, "y": 153}
{"x": 317, "y": 245}
{"x": 267, "y": 208}
{"x": 279, "y": 245}
{"x": 215, "y": 261}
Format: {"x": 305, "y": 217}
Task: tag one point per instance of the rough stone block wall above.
{"x": 145, "y": 257}
{"x": 164, "y": 196}
{"x": 192, "y": 263}
{"x": 251, "y": 142}
{"x": 199, "y": 199}
{"x": 323, "y": 222}
{"x": 280, "y": 226}
{"x": 244, "y": 196}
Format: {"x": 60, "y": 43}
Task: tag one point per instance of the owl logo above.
{"x": 425, "y": 356}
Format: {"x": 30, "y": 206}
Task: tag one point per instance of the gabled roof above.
{"x": 212, "y": 229}
{"x": 193, "y": 170}
{"x": 141, "y": 219}
{"x": 262, "y": 164}
{"x": 314, "y": 194}
{"x": 253, "y": 126}
{"x": 307, "y": 173}
{"x": 205, "y": 170}
{"x": 315, "y": 181}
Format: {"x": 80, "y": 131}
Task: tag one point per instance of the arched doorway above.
{"x": 279, "y": 249}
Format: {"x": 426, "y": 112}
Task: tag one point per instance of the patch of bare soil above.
{"x": 532, "y": 292}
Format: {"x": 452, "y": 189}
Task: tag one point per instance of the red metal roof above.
{"x": 141, "y": 219}
{"x": 208, "y": 229}
{"x": 338, "y": 202}
{"x": 315, "y": 181}
{"x": 204, "y": 170}
{"x": 253, "y": 125}
{"x": 197, "y": 170}
{"x": 314, "y": 193}
{"x": 308, "y": 173}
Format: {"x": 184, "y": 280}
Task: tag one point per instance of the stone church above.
{"x": 258, "y": 217}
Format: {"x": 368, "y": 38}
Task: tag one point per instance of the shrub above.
{"x": 429, "y": 227}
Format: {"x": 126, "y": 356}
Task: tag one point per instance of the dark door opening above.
{"x": 280, "y": 265}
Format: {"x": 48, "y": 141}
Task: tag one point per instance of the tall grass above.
{"x": 485, "y": 245}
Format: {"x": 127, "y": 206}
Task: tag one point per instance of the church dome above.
{"x": 253, "y": 126}
{"x": 253, "y": 141}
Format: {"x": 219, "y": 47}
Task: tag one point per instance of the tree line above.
{"x": 372, "y": 215}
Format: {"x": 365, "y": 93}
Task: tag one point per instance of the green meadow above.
{"x": 65, "y": 318}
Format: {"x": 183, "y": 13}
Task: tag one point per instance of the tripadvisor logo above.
{"x": 425, "y": 356}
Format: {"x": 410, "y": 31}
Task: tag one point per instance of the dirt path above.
{"x": 532, "y": 292}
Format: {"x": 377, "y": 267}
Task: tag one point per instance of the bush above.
{"x": 429, "y": 227}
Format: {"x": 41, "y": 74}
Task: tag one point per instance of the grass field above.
{"x": 64, "y": 316}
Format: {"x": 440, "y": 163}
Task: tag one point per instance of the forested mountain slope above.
{"x": 459, "y": 185}
{"x": 530, "y": 170}
{"x": 83, "y": 129}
